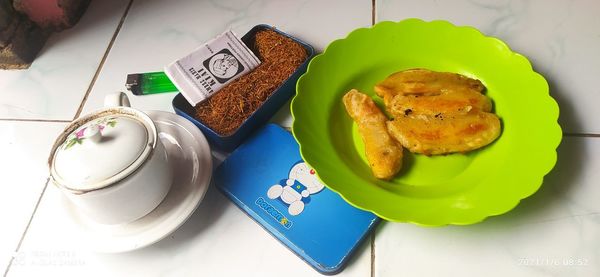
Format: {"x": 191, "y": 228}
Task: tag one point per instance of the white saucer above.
{"x": 189, "y": 154}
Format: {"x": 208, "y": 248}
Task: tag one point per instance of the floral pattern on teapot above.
{"x": 78, "y": 137}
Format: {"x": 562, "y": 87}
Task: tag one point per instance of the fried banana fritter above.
{"x": 438, "y": 112}
{"x": 431, "y": 135}
{"x": 423, "y": 82}
{"x": 459, "y": 101}
{"x": 434, "y": 113}
{"x": 382, "y": 151}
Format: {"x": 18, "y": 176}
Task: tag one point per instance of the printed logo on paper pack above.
{"x": 223, "y": 65}
{"x": 295, "y": 191}
{"x": 208, "y": 68}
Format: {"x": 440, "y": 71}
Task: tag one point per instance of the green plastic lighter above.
{"x": 149, "y": 83}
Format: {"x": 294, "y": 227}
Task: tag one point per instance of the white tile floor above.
{"x": 559, "y": 224}
{"x": 53, "y": 87}
{"x": 560, "y": 38}
{"x": 218, "y": 240}
{"x": 144, "y": 46}
{"x": 24, "y": 147}
{"x": 553, "y": 233}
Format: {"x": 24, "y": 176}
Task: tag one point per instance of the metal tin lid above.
{"x": 101, "y": 149}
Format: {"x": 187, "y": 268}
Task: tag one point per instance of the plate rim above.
{"x": 148, "y": 238}
{"x": 556, "y": 137}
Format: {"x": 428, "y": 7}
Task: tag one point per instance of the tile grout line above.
{"x": 99, "y": 69}
{"x": 37, "y": 204}
{"x": 373, "y": 11}
{"x": 373, "y": 254}
{"x": 585, "y": 135}
{"x": 36, "y": 120}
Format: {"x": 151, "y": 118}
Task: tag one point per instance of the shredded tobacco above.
{"x": 227, "y": 109}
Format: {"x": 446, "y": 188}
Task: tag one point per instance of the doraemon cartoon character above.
{"x": 295, "y": 191}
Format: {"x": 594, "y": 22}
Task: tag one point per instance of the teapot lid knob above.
{"x": 93, "y": 133}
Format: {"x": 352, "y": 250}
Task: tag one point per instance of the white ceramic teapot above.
{"x": 111, "y": 163}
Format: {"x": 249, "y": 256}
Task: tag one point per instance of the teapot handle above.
{"x": 116, "y": 99}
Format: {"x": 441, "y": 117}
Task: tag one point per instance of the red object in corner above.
{"x": 52, "y": 14}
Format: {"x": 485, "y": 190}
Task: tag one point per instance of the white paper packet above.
{"x": 211, "y": 66}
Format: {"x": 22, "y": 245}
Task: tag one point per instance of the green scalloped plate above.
{"x": 439, "y": 190}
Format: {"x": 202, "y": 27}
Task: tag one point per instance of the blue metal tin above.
{"x": 262, "y": 114}
{"x": 267, "y": 179}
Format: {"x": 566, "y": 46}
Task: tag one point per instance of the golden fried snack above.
{"x": 383, "y": 153}
{"x": 438, "y": 112}
{"x": 423, "y": 82}
{"x": 431, "y": 135}
{"x": 459, "y": 101}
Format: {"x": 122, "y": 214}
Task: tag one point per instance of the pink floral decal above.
{"x": 78, "y": 137}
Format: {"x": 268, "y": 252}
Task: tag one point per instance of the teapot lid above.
{"x": 100, "y": 149}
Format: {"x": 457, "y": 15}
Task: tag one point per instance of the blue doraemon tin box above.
{"x": 290, "y": 202}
